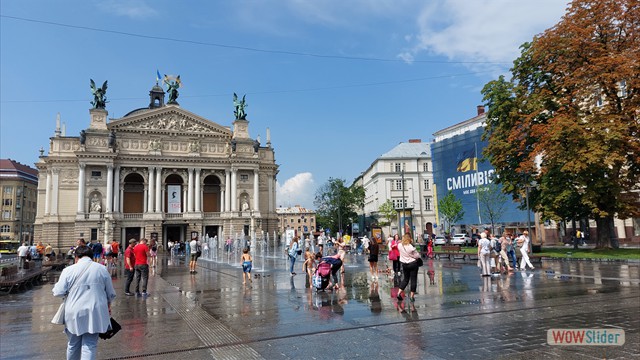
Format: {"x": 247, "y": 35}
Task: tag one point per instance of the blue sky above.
{"x": 338, "y": 82}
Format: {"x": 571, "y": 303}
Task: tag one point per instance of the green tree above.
{"x": 493, "y": 203}
{"x": 336, "y": 204}
{"x": 567, "y": 121}
{"x": 387, "y": 214}
{"x": 451, "y": 210}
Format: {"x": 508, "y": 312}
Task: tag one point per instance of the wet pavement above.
{"x": 457, "y": 314}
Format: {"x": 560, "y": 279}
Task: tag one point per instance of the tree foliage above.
{"x": 568, "y": 121}
{"x": 493, "y": 203}
{"x": 387, "y": 213}
{"x": 336, "y": 204}
{"x": 451, "y": 210}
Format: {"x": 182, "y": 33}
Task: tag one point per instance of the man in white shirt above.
{"x": 194, "y": 245}
{"x": 22, "y": 254}
{"x": 365, "y": 244}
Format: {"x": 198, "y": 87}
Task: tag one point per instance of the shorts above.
{"x": 246, "y": 266}
{"x": 114, "y": 255}
{"x": 194, "y": 256}
{"x": 373, "y": 258}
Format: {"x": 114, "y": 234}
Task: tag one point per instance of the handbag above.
{"x": 58, "y": 318}
{"x": 419, "y": 262}
{"x": 113, "y": 329}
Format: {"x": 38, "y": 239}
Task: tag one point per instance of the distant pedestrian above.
{"x": 153, "y": 253}
{"x": 374, "y": 250}
{"x": 97, "y": 251}
{"x": 195, "y": 252}
{"x": 141, "y": 254}
{"x": 484, "y": 254}
{"x": 23, "y": 252}
{"x": 129, "y": 267}
{"x": 394, "y": 255}
{"x": 523, "y": 242}
{"x": 366, "y": 242}
{"x": 247, "y": 262}
{"x": 410, "y": 267}
{"x": 115, "y": 250}
{"x": 89, "y": 293}
{"x": 511, "y": 251}
{"x": 292, "y": 253}
{"x": 504, "y": 245}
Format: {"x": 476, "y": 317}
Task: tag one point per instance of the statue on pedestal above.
{"x": 173, "y": 84}
{"x": 96, "y": 206}
{"x": 240, "y": 105}
{"x": 99, "y": 95}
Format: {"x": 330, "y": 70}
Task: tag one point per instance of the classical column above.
{"x": 270, "y": 186}
{"x": 145, "y": 203}
{"x": 150, "y": 190}
{"x": 227, "y": 191}
{"x": 47, "y": 194}
{"x": 55, "y": 192}
{"x": 109, "y": 188}
{"x": 158, "y": 190}
{"x": 184, "y": 199}
{"x": 223, "y": 195}
{"x": 198, "y": 191}
{"x": 190, "y": 191}
{"x": 256, "y": 192}
{"x": 116, "y": 190}
{"x": 121, "y": 200}
{"x": 234, "y": 189}
{"x": 81, "y": 187}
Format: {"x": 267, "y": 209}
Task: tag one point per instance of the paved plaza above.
{"x": 457, "y": 314}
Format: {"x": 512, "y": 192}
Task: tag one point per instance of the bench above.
{"x": 58, "y": 263}
{"x": 450, "y": 250}
{"x": 13, "y": 279}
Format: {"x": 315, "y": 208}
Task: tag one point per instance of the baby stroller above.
{"x": 321, "y": 276}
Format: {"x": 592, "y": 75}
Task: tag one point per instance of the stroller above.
{"x": 321, "y": 277}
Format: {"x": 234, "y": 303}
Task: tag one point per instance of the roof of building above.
{"x": 294, "y": 210}
{"x": 12, "y": 169}
{"x": 408, "y": 150}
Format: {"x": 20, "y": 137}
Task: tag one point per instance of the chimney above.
{"x": 415, "y": 141}
{"x": 480, "y": 109}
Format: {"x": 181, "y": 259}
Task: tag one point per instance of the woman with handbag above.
{"x": 88, "y": 293}
{"x": 411, "y": 262}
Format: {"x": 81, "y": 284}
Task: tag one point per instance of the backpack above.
{"x": 324, "y": 269}
{"x": 498, "y": 246}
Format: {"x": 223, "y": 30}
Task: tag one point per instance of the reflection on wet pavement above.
{"x": 213, "y": 315}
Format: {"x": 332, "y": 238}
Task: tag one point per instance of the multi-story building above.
{"x": 403, "y": 175}
{"x": 301, "y": 220}
{"x": 19, "y": 185}
{"x": 159, "y": 172}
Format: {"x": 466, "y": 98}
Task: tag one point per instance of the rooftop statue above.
{"x": 173, "y": 84}
{"x": 240, "y": 105}
{"x": 99, "y": 95}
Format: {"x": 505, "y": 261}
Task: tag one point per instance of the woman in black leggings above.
{"x": 408, "y": 257}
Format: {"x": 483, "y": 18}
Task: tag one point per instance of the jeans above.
{"x": 512, "y": 255}
{"x": 129, "y": 274}
{"x": 81, "y": 347}
{"x": 410, "y": 271}
{"x": 142, "y": 271}
{"x": 292, "y": 260}
{"x": 335, "y": 268}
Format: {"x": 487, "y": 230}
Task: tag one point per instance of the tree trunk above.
{"x": 606, "y": 238}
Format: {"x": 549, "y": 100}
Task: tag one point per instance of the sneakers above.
{"x": 144, "y": 294}
{"x": 128, "y": 293}
{"x": 138, "y": 294}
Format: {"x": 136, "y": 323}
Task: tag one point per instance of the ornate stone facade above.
{"x": 170, "y": 174}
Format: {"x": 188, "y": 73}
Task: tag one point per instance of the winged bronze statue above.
{"x": 99, "y": 95}
{"x": 240, "y": 105}
{"x": 173, "y": 84}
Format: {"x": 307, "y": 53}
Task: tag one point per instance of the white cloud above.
{"x": 483, "y": 30}
{"x": 298, "y": 190}
{"x": 135, "y": 9}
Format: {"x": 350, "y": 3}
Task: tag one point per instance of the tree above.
{"x": 336, "y": 203}
{"x": 387, "y": 213}
{"x": 493, "y": 202}
{"x": 567, "y": 121}
{"x": 451, "y": 210}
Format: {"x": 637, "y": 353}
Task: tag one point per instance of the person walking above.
{"x": 141, "y": 265}
{"x": 246, "y": 265}
{"x": 394, "y": 255}
{"x": 408, "y": 257}
{"x": 511, "y": 251}
{"x": 195, "y": 252}
{"x": 523, "y": 242}
{"x": 293, "y": 253}
{"x": 374, "y": 249}
{"x": 504, "y": 245}
{"x": 484, "y": 254}
{"x": 89, "y": 293}
{"x": 129, "y": 267}
{"x": 23, "y": 251}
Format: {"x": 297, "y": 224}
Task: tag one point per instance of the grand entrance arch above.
{"x": 173, "y": 194}
{"x": 211, "y": 194}
{"x": 133, "y": 194}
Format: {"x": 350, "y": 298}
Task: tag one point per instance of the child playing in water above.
{"x": 309, "y": 263}
{"x": 246, "y": 265}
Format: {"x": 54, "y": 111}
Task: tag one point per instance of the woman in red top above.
{"x": 394, "y": 255}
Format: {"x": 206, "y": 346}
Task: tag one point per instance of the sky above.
{"x": 337, "y": 82}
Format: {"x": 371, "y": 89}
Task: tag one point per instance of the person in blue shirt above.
{"x": 89, "y": 291}
{"x": 293, "y": 253}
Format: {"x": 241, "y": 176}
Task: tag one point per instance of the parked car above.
{"x": 474, "y": 239}
{"x": 440, "y": 240}
{"x": 460, "y": 239}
